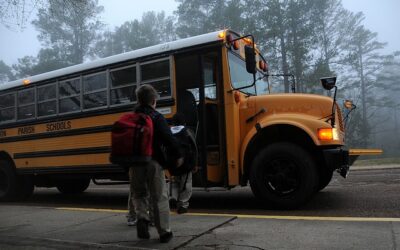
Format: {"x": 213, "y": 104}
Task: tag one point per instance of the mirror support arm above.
{"x": 333, "y": 108}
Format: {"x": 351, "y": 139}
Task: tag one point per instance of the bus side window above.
{"x": 7, "y": 107}
{"x": 94, "y": 90}
{"x": 47, "y": 102}
{"x": 157, "y": 74}
{"x": 69, "y": 94}
{"x": 123, "y": 85}
{"x": 26, "y": 104}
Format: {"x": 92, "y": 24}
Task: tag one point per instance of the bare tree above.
{"x": 16, "y": 14}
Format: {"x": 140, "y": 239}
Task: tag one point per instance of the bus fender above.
{"x": 5, "y": 156}
{"x": 261, "y": 126}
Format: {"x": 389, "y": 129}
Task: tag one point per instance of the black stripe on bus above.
{"x": 64, "y": 152}
{"x": 79, "y": 131}
{"x": 82, "y": 169}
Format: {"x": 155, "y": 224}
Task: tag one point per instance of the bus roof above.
{"x": 165, "y": 47}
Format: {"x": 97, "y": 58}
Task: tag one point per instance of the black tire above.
{"x": 12, "y": 186}
{"x": 283, "y": 175}
{"x": 325, "y": 178}
{"x": 73, "y": 186}
{"x": 8, "y": 182}
{"x": 26, "y": 187}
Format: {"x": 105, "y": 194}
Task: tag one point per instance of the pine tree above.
{"x": 69, "y": 28}
{"x": 154, "y": 28}
{"x": 6, "y": 74}
{"x": 364, "y": 59}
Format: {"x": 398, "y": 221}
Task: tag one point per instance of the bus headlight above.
{"x": 328, "y": 134}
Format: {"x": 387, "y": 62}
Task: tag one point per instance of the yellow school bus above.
{"x": 55, "y": 128}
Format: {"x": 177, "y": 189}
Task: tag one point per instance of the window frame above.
{"x": 18, "y": 106}
{"x": 79, "y": 78}
{"x": 13, "y": 106}
{"x": 170, "y": 77}
{"x": 135, "y": 84}
{"x": 48, "y": 100}
{"x": 105, "y": 89}
{"x": 59, "y": 98}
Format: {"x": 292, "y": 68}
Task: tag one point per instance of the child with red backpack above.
{"x": 147, "y": 177}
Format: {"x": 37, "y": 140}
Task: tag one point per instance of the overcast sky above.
{"x": 381, "y": 16}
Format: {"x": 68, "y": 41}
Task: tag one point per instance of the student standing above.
{"x": 150, "y": 179}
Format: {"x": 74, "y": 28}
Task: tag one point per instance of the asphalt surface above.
{"x": 360, "y": 212}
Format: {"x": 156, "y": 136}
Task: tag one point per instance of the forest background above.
{"x": 307, "y": 38}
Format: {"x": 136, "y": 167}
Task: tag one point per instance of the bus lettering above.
{"x": 56, "y": 126}
{"x": 3, "y": 133}
{"x": 26, "y": 130}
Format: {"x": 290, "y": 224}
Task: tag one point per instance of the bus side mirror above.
{"x": 328, "y": 82}
{"x": 250, "y": 55}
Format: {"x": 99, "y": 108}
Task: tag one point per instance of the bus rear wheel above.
{"x": 12, "y": 186}
{"x": 283, "y": 175}
{"x": 73, "y": 186}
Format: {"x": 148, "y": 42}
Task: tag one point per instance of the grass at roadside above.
{"x": 377, "y": 161}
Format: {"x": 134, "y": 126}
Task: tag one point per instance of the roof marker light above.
{"x": 232, "y": 42}
{"x": 229, "y": 38}
{"x": 263, "y": 66}
{"x": 26, "y": 82}
{"x": 248, "y": 41}
{"x": 236, "y": 45}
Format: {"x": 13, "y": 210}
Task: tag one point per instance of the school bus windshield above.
{"x": 241, "y": 78}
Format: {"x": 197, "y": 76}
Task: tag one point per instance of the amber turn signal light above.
{"x": 325, "y": 134}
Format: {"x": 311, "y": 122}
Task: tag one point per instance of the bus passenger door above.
{"x": 198, "y": 83}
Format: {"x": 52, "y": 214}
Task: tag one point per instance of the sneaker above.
{"x": 143, "y": 229}
{"x": 166, "y": 237}
{"x": 131, "y": 221}
{"x": 182, "y": 210}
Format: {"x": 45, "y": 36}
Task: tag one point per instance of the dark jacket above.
{"x": 162, "y": 136}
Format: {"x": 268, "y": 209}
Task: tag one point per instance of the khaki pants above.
{"x": 181, "y": 189}
{"x": 131, "y": 206}
{"x": 149, "y": 181}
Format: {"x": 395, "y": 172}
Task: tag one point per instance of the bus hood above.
{"x": 317, "y": 106}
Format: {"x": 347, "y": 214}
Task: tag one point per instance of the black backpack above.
{"x": 188, "y": 147}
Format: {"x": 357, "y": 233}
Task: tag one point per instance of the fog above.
{"x": 373, "y": 85}
{"x": 16, "y": 42}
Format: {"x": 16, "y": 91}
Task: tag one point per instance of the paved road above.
{"x": 369, "y": 193}
{"x": 360, "y": 212}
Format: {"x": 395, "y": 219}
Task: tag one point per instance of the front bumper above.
{"x": 338, "y": 159}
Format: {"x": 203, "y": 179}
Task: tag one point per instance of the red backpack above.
{"x": 132, "y": 139}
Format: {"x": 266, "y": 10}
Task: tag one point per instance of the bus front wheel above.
{"x": 325, "y": 178}
{"x": 73, "y": 186}
{"x": 283, "y": 175}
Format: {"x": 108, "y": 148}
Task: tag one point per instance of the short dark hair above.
{"x": 146, "y": 94}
